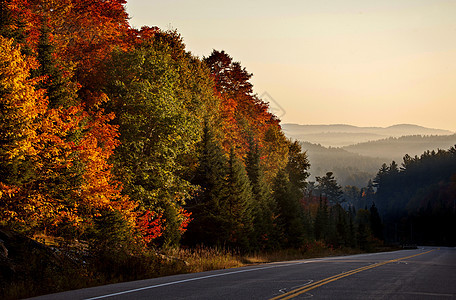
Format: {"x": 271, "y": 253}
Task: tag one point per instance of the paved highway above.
{"x": 424, "y": 273}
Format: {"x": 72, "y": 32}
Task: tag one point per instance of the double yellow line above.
{"x": 306, "y": 288}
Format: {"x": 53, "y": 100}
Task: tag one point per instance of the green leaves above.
{"x": 158, "y": 103}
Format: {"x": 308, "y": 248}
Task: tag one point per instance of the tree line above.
{"x": 417, "y": 198}
{"x": 122, "y": 138}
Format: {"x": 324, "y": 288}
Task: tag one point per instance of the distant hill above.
{"x": 348, "y": 168}
{"x": 331, "y": 148}
{"x": 356, "y": 164}
{"x": 395, "y": 148}
{"x": 339, "y": 135}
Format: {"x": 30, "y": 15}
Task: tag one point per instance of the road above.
{"x": 424, "y": 273}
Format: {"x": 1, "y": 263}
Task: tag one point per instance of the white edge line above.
{"x": 193, "y": 279}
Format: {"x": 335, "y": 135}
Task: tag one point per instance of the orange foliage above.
{"x": 49, "y": 143}
{"x": 150, "y": 225}
{"x": 243, "y": 114}
{"x": 84, "y": 31}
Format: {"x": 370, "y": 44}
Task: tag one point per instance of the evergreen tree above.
{"x": 290, "y": 218}
{"x": 351, "y": 241}
{"x": 363, "y": 229}
{"x": 264, "y": 206}
{"x": 328, "y": 187}
{"x": 340, "y": 232}
{"x": 321, "y": 223}
{"x": 376, "y": 222}
{"x": 297, "y": 166}
{"x": 206, "y": 205}
{"x": 238, "y": 204}
{"x": 60, "y": 91}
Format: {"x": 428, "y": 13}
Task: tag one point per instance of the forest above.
{"x": 118, "y": 145}
{"x": 417, "y": 199}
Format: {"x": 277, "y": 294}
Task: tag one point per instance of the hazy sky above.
{"x": 365, "y": 63}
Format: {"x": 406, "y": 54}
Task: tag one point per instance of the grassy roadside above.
{"x": 206, "y": 259}
{"x": 33, "y": 269}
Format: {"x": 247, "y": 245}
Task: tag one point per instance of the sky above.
{"x": 358, "y": 62}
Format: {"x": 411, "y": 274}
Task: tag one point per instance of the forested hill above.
{"x": 395, "y": 148}
{"x": 356, "y": 164}
{"x": 349, "y": 168}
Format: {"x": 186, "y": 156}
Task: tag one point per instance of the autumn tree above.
{"x": 244, "y": 114}
{"x": 85, "y": 32}
{"x": 13, "y": 26}
{"x": 21, "y": 105}
{"x": 67, "y": 180}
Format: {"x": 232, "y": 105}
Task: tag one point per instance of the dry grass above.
{"x": 202, "y": 259}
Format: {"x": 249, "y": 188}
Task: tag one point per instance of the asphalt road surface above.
{"x": 424, "y": 273}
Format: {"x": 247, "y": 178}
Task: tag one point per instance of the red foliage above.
{"x": 150, "y": 225}
{"x": 185, "y": 218}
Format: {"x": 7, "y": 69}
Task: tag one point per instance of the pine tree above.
{"x": 376, "y": 222}
{"x": 206, "y": 205}
{"x": 290, "y": 220}
{"x": 329, "y": 188}
{"x": 59, "y": 89}
{"x": 340, "y": 234}
{"x": 297, "y": 171}
{"x": 363, "y": 229}
{"x": 321, "y": 221}
{"x": 297, "y": 166}
{"x": 264, "y": 207}
{"x": 351, "y": 241}
{"x": 238, "y": 204}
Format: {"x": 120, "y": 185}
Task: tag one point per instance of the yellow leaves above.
{"x": 7, "y": 191}
{"x": 20, "y": 100}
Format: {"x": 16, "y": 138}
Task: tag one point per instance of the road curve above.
{"x": 424, "y": 273}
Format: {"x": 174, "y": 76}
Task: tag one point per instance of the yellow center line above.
{"x": 306, "y": 288}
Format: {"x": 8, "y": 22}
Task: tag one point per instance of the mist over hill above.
{"x": 331, "y": 148}
{"x": 339, "y": 135}
{"x": 348, "y": 168}
{"x": 395, "y": 148}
